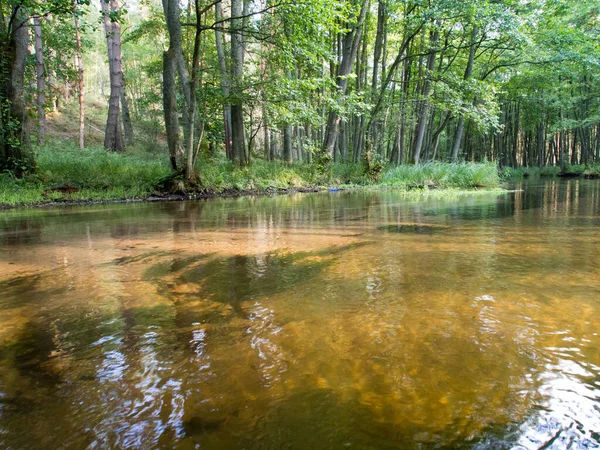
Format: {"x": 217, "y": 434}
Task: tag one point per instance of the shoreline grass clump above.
{"x": 569, "y": 170}
{"x": 68, "y": 174}
{"x": 442, "y": 176}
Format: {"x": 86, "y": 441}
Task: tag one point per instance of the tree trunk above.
{"x": 170, "y": 106}
{"x": 113, "y": 138}
{"x": 173, "y": 64}
{"x": 287, "y": 144}
{"x": 381, "y": 23}
{"x": 299, "y": 136}
{"x": 468, "y": 74}
{"x": 41, "y": 80}
{"x": 80, "y": 78}
{"x": 266, "y": 141}
{"x": 348, "y": 55}
{"x": 273, "y": 147}
{"x": 195, "y": 132}
{"x": 377, "y": 53}
{"x": 15, "y": 151}
{"x": 422, "y": 124}
{"x": 126, "y": 116}
{"x": 238, "y": 134}
{"x": 224, "y": 81}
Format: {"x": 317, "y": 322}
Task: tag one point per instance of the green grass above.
{"x": 66, "y": 173}
{"x": 549, "y": 171}
{"x": 592, "y": 169}
{"x": 93, "y": 174}
{"x": 261, "y": 176}
{"x": 218, "y": 175}
{"x": 441, "y": 175}
{"x": 15, "y": 192}
{"x": 98, "y": 169}
{"x": 509, "y": 173}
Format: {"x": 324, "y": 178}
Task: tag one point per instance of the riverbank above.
{"x": 71, "y": 176}
{"x": 589, "y": 171}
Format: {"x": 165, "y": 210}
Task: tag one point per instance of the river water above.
{"x": 367, "y": 320}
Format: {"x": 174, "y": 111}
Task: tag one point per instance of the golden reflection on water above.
{"x": 360, "y": 320}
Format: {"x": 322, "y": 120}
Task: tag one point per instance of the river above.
{"x": 361, "y": 319}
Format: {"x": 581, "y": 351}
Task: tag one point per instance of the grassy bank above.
{"x": 570, "y": 170}
{"x": 69, "y": 174}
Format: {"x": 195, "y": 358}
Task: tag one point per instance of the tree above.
{"x": 224, "y": 79}
{"x": 113, "y": 137}
{"x": 41, "y": 79}
{"x": 15, "y": 151}
{"x": 468, "y": 74}
{"x": 238, "y": 132}
{"x": 348, "y": 50}
{"x": 80, "y": 76}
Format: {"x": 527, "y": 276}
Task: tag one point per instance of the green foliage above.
{"x": 549, "y": 171}
{"x": 442, "y": 175}
{"x": 508, "y": 173}
{"x": 535, "y": 67}
{"x": 322, "y": 163}
{"x": 66, "y": 173}
{"x": 98, "y": 169}
{"x": 15, "y": 191}
{"x": 372, "y": 163}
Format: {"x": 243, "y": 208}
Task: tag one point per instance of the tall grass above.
{"x": 67, "y": 173}
{"x": 98, "y": 169}
{"x": 442, "y": 175}
{"x": 221, "y": 175}
{"x": 509, "y": 173}
{"x": 518, "y": 173}
{"x": 14, "y": 191}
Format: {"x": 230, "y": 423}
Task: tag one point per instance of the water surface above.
{"x": 365, "y": 320}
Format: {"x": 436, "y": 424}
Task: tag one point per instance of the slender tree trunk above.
{"x": 574, "y": 148}
{"x": 126, "y": 116}
{"x": 53, "y": 88}
{"x": 273, "y": 147}
{"x": 266, "y": 139}
{"x": 405, "y": 77}
{"x": 238, "y": 134}
{"x": 377, "y": 52}
{"x": 287, "y": 144}
{"x": 516, "y": 135}
{"x": 422, "y": 124}
{"x": 299, "y": 136}
{"x": 468, "y": 74}
{"x": 224, "y": 81}
{"x": 173, "y": 64}
{"x": 113, "y": 138}
{"x": 343, "y": 141}
{"x": 80, "y": 78}
{"x": 170, "y": 106}
{"x": 191, "y": 152}
{"x": 67, "y": 92}
{"x": 350, "y": 44}
{"x": 41, "y": 79}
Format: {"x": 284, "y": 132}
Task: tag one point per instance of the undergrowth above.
{"x": 65, "y": 173}
{"x": 509, "y": 173}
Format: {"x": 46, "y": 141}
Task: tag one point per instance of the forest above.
{"x": 117, "y": 99}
